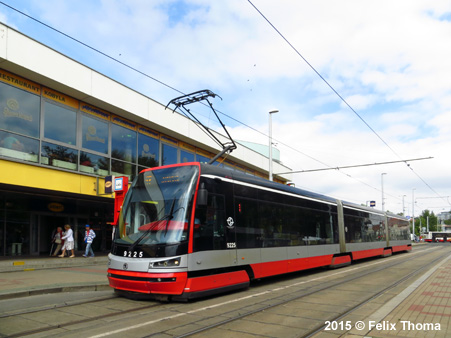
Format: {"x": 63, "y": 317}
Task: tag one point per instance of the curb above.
{"x": 58, "y": 289}
{"x": 27, "y": 264}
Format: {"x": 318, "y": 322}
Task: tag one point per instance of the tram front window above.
{"x": 157, "y": 208}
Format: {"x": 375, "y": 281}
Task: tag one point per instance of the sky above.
{"x": 355, "y": 82}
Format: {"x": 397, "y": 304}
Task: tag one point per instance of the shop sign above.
{"x": 109, "y": 184}
{"x": 55, "y": 207}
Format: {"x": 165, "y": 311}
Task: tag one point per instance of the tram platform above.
{"x": 26, "y": 276}
{"x": 422, "y": 309}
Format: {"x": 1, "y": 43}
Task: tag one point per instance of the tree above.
{"x": 422, "y": 220}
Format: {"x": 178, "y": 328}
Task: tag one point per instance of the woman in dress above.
{"x": 69, "y": 241}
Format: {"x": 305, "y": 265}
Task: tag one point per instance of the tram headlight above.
{"x": 166, "y": 263}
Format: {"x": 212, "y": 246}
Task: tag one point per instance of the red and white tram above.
{"x": 438, "y": 236}
{"x": 190, "y": 230}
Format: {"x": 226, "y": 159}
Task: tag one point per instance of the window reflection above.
{"x": 60, "y": 123}
{"x": 20, "y": 111}
{"x": 19, "y": 147}
{"x": 186, "y": 156}
{"x": 21, "y": 135}
{"x": 202, "y": 159}
{"x": 364, "y": 227}
{"x": 59, "y": 156}
{"x": 168, "y": 154}
{"x": 148, "y": 149}
{"x": 94, "y": 134}
{"x": 119, "y": 168}
{"x": 123, "y": 142}
{"x": 94, "y": 164}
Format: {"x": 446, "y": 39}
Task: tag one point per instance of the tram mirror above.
{"x": 202, "y": 195}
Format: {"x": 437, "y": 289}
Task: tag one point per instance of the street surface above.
{"x": 319, "y": 303}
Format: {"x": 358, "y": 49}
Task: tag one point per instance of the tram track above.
{"x": 72, "y": 322}
{"x": 369, "y": 299}
{"x": 325, "y": 283}
{"x": 54, "y": 306}
{"x": 336, "y": 318}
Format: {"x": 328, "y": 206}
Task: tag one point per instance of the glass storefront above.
{"x": 28, "y": 222}
{"x": 42, "y": 126}
{"x": 60, "y": 123}
{"x": 20, "y": 111}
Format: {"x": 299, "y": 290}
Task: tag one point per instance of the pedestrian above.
{"x": 89, "y": 237}
{"x": 69, "y": 241}
{"x": 57, "y": 239}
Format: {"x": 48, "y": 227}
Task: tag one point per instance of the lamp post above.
{"x": 413, "y": 211}
{"x": 270, "y": 142}
{"x": 403, "y": 208}
{"x": 382, "y": 184}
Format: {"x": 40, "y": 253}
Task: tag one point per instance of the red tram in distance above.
{"x": 438, "y": 236}
{"x": 191, "y": 230}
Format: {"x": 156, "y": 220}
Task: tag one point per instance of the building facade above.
{"x": 63, "y": 128}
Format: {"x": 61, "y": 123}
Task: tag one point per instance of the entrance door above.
{"x": 46, "y": 230}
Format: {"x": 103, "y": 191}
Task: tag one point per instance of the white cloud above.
{"x": 388, "y": 59}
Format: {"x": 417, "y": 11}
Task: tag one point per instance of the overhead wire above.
{"x": 148, "y": 76}
{"x": 177, "y": 90}
{"x": 226, "y": 115}
{"x": 92, "y": 48}
{"x": 338, "y": 94}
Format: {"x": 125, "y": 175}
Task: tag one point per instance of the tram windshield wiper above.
{"x": 170, "y": 216}
{"x": 167, "y": 217}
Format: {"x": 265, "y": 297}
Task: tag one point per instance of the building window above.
{"x": 168, "y": 154}
{"x": 119, "y": 168}
{"x": 186, "y": 156}
{"x": 20, "y": 111}
{"x": 123, "y": 143}
{"x": 19, "y": 147}
{"x": 148, "y": 151}
{"x": 202, "y": 159}
{"x": 94, "y": 164}
{"x": 59, "y": 156}
{"x": 94, "y": 134}
{"x": 60, "y": 123}
{"x": 75, "y": 136}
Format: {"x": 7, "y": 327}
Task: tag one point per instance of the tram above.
{"x": 191, "y": 230}
{"x": 437, "y": 236}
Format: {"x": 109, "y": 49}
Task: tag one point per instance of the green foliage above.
{"x": 422, "y": 221}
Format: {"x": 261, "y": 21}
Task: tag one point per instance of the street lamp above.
{"x": 270, "y": 142}
{"x": 403, "y": 207}
{"x": 382, "y": 184}
{"x": 413, "y": 212}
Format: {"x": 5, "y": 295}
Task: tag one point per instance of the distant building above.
{"x": 443, "y": 216}
{"x": 262, "y": 149}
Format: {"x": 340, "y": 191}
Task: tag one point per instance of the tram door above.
{"x": 214, "y": 228}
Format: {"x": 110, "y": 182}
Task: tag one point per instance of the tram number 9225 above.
{"x": 133, "y": 254}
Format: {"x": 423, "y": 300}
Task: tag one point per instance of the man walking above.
{"x": 89, "y": 237}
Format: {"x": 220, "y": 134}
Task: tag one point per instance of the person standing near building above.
{"x": 57, "y": 240}
{"x": 69, "y": 241}
{"x": 89, "y": 237}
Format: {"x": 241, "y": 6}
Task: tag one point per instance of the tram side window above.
{"x": 209, "y": 227}
{"x": 317, "y": 227}
{"x": 273, "y": 221}
{"x": 398, "y": 229}
{"x": 249, "y": 228}
{"x": 364, "y": 229}
{"x": 265, "y": 224}
{"x": 294, "y": 225}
